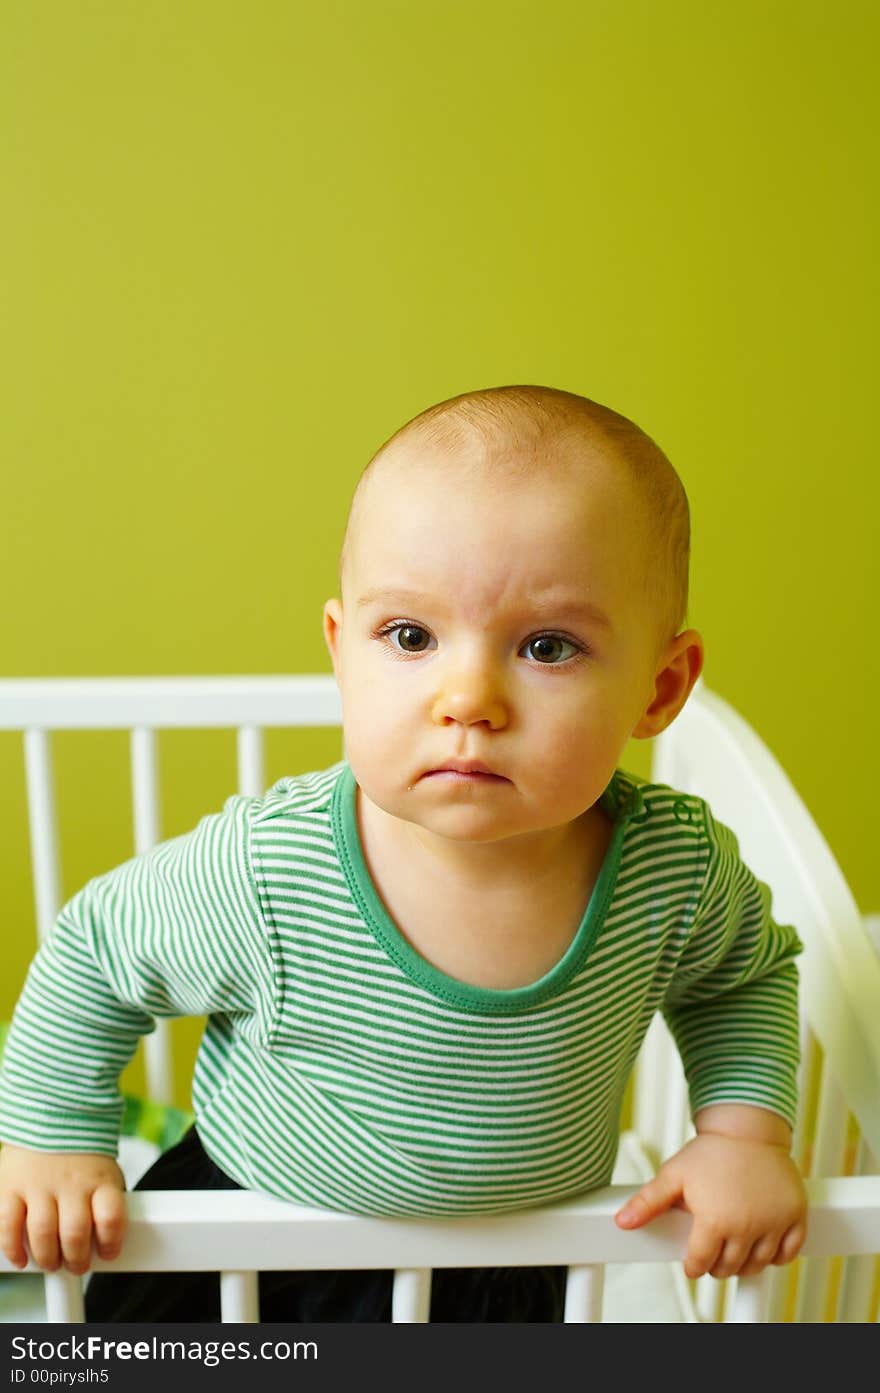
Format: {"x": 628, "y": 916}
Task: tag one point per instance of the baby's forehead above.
{"x": 515, "y": 472}
{"x": 531, "y": 545}
{"x": 422, "y": 494}
{"x": 484, "y": 476}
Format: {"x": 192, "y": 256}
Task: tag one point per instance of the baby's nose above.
{"x": 471, "y": 695}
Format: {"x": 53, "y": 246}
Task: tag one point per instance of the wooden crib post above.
{"x": 45, "y": 860}
{"x": 751, "y": 1299}
{"x": 411, "y": 1295}
{"x": 584, "y": 1287}
{"x": 64, "y": 1298}
{"x": 240, "y": 1297}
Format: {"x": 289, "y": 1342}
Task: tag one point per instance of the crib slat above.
{"x": 676, "y": 1109}
{"x": 661, "y": 1113}
{"x": 158, "y": 1064}
{"x": 828, "y": 1156}
{"x": 583, "y": 1294}
{"x": 786, "y": 1279}
{"x": 709, "y": 1299}
{"x": 856, "y": 1290}
{"x": 808, "y": 1083}
{"x": 779, "y": 1281}
{"x": 145, "y": 789}
{"x": 251, "y": 760}
{"x": 721, "y": 1306}
{"x": 750, "y": 1299}
{"x": 857, "y": 1280}
{"x": 411, "y": 1295}
{"x": 147, "y": 823}
{"x": 649, "y": 1094}
{"x": 64, "y": 1297}
{"x": 240, "y": 1297}
{"x": 646, "y": 1117}
{"x": 656, "y": 1062}
{"x": 43, "y": 828}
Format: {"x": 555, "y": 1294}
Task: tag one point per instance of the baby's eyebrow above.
{"x": 546, "y": 604}
{"x": 369, "y": 597}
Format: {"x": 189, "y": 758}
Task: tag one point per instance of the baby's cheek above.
{"x": 381, "y": 734}
{"x": 576, "y": 777}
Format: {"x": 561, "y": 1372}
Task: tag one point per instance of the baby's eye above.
{"x": 545, "y": 645}
{"x": 410, "y": 637}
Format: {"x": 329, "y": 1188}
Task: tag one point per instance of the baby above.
{"x": 428, "y": 969}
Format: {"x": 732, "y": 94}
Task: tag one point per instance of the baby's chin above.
{"x": 470, "y": 824}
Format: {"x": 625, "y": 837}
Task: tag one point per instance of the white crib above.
{"x": 612, "y": 1275}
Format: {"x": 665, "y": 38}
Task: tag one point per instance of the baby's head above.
{"x": 531, "y": 550}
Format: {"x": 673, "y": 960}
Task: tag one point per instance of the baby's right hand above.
{"x": 57, "y": 1197}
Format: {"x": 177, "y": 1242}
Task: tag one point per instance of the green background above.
{"x": 242, "y": 244}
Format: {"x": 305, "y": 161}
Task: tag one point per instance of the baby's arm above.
{"x": 58, "y": 1199}
{"x": 744, "y": 1190}
{"x": 60, "y": 1106}
{"x": 175, "y": 932}
{"x": 732, "y": 1009}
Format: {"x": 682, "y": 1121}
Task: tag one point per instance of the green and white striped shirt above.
{"x": 339, "y": 1068}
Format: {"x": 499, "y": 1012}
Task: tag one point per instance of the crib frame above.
{"x": 710, "y": 750}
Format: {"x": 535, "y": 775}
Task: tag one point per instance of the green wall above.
{"x": 241, "y": 244}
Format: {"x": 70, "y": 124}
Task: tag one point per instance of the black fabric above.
{"x": 472, "y": 1294}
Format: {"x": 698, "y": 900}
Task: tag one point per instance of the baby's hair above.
{"x": 530, "y": 418}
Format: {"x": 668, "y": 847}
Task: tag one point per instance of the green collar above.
{"x": 622, "y": 799}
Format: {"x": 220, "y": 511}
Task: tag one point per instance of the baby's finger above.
{"x": 111, "y": 1218}
{"x": 792, "y": 1242}
{"x": 704, "y": 1247}
{"x": 731, "y": 1258}
{"x": 42, "y": 1232}
{"x": 763, "y": 1252}
{"x": 75, "y": 1231}
{"x": 653, "y": 1199}
{"x": 12, "y": 1212}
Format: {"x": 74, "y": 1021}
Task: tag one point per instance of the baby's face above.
{"x": 473, "y": 629}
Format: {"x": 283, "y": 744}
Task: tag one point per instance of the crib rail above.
{"x": 240, "y": 1234}
{"x": 120, "y": 703}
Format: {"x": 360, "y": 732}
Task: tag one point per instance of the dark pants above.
{"x": 474, "y": 1294}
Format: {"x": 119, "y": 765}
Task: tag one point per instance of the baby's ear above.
{"x": 677, "y": 672}
{"x": 332, "y": 625}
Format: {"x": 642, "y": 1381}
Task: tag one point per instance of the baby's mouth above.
{"x": 470, "y": 775}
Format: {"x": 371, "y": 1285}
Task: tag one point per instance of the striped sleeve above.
{"x": 177, "y": 931}
{"x": 732, "y": 1005}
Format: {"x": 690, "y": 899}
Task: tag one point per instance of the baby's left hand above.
{"x": 747, "y": 1198}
